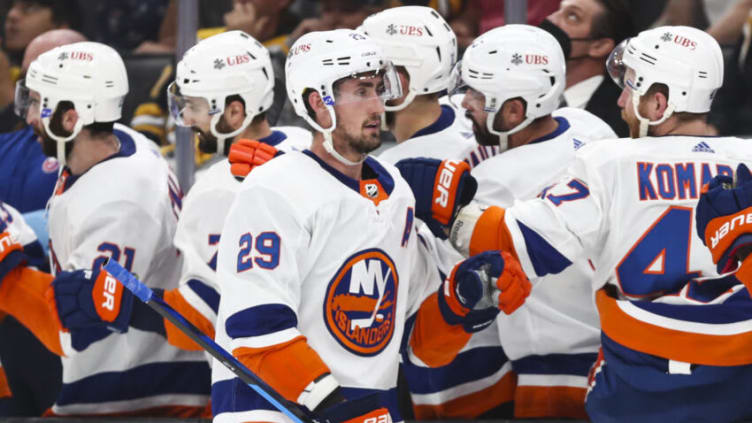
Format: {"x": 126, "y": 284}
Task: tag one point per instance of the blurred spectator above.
{"x": 478, "y": 16}
{"x": 28, "y": 18}
{"x": 588, "y": 30}
{"x": 447, "y": 8}
{"x": 128, "y": 24}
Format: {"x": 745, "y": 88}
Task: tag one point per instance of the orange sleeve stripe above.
{"x": 175, "y": 336}
{"x": 287, "y": 367}
{"x": 23, "y": 296}
{"x": 472, "y": 405}
{"x": 531, "y": 402}
{"x": 4, "y": 387}
{"x": 711, "y": 350}
{"x": 434, "y": 341}
{"x": 491, "y": 233}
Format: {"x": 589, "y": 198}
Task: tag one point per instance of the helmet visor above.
{"x": 615, "y": 64}
{"x": 24, "y": 102}
{"x": 460, "y": 91}
{"x": 382, "y": 84}
{"x": 187, "y": 110}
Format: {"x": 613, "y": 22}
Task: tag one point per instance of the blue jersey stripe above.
{"x": 186, "y": 377}
{"x": 544, "y": 257}
{"x": 260, "y": 320}
{"x": 555, "y": 364}
{"x": 208, "y": 294}
{"x": 468, "y": 366}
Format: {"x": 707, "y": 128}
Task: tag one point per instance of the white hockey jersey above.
{"x": 628, "y": 206}
{"x": 202, "y": 218}
{"x": 554, "y": 337}
{"x": 448, "y": 137}
{"x": 309, "y": 251}
{"x": 124, "y": 208}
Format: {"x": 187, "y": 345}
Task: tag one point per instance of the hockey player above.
{"x": 673, "y": 348}
{"x": 553, "y": 339}
{"x": 423, "y": 49}
{"x": 318, "y": 277}
{"x": 115, "y": 199}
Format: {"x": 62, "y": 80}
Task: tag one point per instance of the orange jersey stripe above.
{"x": 4, "y": 387}
{"x": 491, "y": 233}
{"x": 472, "y": 405}
{"x": 23, "y": 296}
{"x": 434, "y": 341}
{"x": 287, "y": 367}
{"x": 549, "y": 402}
{"x": 175, "y": 336}
{"x": 711, "y": 350}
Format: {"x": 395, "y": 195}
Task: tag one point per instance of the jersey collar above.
{"x": 275, "y": 138}
{"x": 563, "y": 126}
{"x": 445, "y": 120}
{"x": 371, "y": 170}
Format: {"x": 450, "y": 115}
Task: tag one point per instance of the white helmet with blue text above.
{"x": 318, "y": 60}
{"x": 420, "y": 40}
{"x": 687, "y": 60}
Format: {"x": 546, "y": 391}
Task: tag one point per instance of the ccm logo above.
{"x": 110, "y": 285}
{"x": 729, "y": 226}
{"x": 445, "y": 182}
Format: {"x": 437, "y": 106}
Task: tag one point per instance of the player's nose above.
{"x": 623, "y": 97}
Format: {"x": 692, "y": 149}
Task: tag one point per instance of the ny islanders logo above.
{"x": 361, "y": 301}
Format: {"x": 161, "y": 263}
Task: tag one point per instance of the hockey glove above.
{"x": 91, "y": 299}
{"x": 361, "y": 410}
{"x": 440, "y": 188}
{"x": 11, "y": 251}
{"x": 724, "y": 218}
{"x": 479, "y": 287}
{"x": 247, "y": 154}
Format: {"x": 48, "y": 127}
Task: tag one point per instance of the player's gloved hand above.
{"x": 246, "y": 154}
{"x": 11, "y": 251}
{"x": 91, "y": 299}
{"x": 724, "y": 218}
{"x": 440, "y": 188}
{"x": 479, "y": 287}
{"x": 361, "y": 410}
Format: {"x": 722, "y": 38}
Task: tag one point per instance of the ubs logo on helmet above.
{"x": 361, "y": 301}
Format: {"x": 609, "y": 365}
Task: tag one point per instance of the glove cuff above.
{"x": 12, "y": 260}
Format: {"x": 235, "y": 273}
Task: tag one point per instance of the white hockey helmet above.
{"x": 226, "y": 64}
{"x": 419, "y": 39}
{"x": 90, "y": 75}
{"x": 687, "y": 60}
{"x": 318, "y": 60}
{"x": 509, "y": 62}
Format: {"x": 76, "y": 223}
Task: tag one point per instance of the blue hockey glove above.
{"x": 479, "y": 287}
{"x": 440, "y": 188}
{"x": 724, "y": 218}
{"x": 92, "y": 299}
{"x": 366, "y": 409}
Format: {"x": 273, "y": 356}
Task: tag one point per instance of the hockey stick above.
{"x": 145, "y": 294}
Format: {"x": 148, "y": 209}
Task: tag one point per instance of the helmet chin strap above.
{"x": 504, "y": 135}
{"x": 644, "y": 122}
{"x": 61, "y": 141}
{"x": 406, "y": 102}
{"x": 222, "y": 137}
{"x": 329, "y": 147}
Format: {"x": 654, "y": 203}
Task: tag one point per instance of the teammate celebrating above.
{"x": 554, "y": 337}
{"x": 115, "y": 199}
{"x": 318, "y": 264}
{"x": 627, "y": 206}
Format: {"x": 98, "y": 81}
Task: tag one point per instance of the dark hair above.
{"x": 615, "y": 22}
{"x": 64, "y": 12}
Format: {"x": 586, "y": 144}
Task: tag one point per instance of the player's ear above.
{"x": 69, "y": 119}
{"x": 235, "y": 114}
{"x": 658, "y": 105}
{"x": 513, "y": 112}
{"x": 320, "y": 111}
{"x": 601, "y": 48}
